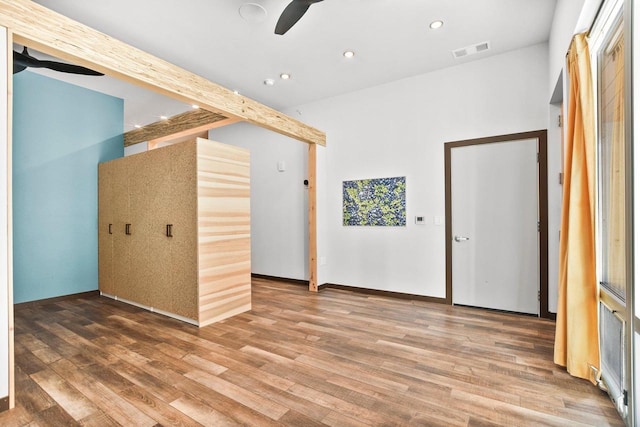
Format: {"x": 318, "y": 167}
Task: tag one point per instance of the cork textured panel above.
{"x": 140, "y": 194}
{"x": 158, "y": 257}
{"x": 201, "y": 189}
{"x": 224, "y": 231}
{"x": 121, "y": 215}
{"x": 105, "y": 217}
{"x": 184, "y": 243}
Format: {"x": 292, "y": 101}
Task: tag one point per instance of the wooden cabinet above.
{"x": 105, "y": 229}
{"x": 174, "y": 230}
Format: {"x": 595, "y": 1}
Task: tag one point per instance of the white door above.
{"x": 494, "y": 211}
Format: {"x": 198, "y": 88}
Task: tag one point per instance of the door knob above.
{"x": 460, "y": 238}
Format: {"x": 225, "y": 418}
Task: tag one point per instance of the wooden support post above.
{"x": 8, "y": 171}
{"x": 313, "y": 237}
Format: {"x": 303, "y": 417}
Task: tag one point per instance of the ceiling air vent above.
{"x": 482, "y": 46}
{"x": 470, "y": 50}
{"x": 459, "y": 53}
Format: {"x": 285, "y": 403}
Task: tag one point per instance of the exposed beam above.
{"x": 54, "y": 34}
{"x": 192, "y": 121}
{"x": 175, "y": 139}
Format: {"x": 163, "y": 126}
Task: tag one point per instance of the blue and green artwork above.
{"x": 379, "y": 201}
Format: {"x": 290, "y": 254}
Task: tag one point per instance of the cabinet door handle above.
{"x": 169, "y": 230}
{"x": 127, "y": 229}
{"x": 110, "y": 230}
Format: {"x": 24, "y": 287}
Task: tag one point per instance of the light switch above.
{"x": 438, "y": 220}
{"x": 281, "y": 166}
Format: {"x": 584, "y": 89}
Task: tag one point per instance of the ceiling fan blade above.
{"x": 18, "y": 68}
{"x": 24, "y": 60}
{"x": 69, "y": 68}
{"x": 292, "y": 14}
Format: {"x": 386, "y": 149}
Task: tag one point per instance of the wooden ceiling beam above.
{"x": 199, "y": 132}
{"x": 189, "y": 122}
{"x": 54, "y": 34}
{"x": 176, "y": 139}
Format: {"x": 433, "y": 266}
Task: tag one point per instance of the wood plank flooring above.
{"x": 335, "y": 358}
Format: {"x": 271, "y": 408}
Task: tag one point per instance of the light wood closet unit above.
{"x": 174, "y": 230}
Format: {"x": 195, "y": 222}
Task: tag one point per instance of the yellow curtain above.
{"x": 616, "y": 228}
{"x": 576, "y": 345}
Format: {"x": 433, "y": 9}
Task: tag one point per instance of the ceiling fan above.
{"x": 292, "y": 14}
{"x": 22, "y": 61}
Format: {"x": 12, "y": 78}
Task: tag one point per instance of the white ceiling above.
{"x": 391, "y": 38}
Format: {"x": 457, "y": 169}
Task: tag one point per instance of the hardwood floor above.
{"x": 336, "y": 358}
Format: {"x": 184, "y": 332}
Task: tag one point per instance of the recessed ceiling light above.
{"x": 269, "y": 82}
{"x": 137, "y": 126}
{"x": 436, "y": 24}
{"x": 285, "y": 76}
{"x": 349, "y": 54}
{"x": 195, "y": 106}
{"x": 163, "y": 117}
{"x": 236, "y": 92}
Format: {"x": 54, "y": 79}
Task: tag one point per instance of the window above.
{"x": 611, "y": 162}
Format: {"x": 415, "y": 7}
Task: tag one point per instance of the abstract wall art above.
{"x": 374, "y": 202}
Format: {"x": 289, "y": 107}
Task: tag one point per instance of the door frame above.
{"x": 543, "y": 210}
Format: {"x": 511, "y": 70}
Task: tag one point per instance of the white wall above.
{"x": 140, "y": 147}
{"x": 563, "y": 28}
{"x": 571, "y": 17}
{"x": 279, "y": 227}
{"x": 554, "y": 193}
{"x": 398, "y": 129}
{"x": 5, "y": 257}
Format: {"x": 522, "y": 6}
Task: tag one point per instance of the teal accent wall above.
{"x": 60, "y": 134}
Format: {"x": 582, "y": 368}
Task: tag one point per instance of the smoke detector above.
{"x": 470, "y": 50}
{"x": 253, "y": 13}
